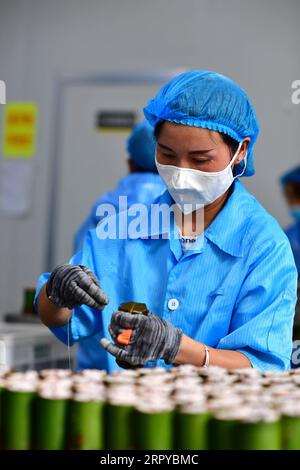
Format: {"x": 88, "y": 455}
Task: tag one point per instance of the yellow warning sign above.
{"x": 19, "y": 130}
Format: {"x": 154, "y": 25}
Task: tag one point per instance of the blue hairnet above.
{"x": 292, "y": 176}
{"x": 141, "y": 146}
{"x": 210, "y": 100}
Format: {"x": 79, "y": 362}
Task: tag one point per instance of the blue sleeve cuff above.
{"x": 266, "y": 361}
{"x": 42, "y": 280}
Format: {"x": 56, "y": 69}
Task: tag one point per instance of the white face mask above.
{"x": 191, "y": 188}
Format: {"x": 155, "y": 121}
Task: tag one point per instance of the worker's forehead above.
{"x": 188, "y": 134}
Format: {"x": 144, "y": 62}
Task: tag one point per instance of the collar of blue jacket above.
{"x": 226, "y": 232}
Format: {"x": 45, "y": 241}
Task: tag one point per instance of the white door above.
{"x": 90, "y": 161}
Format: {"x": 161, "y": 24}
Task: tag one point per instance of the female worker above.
{"x": 229, "y": 300}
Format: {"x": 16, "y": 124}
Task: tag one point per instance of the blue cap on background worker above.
{"x": 141, "y": 147}
{"x": 142, "y": 185}
{"x": 291, "y": 186}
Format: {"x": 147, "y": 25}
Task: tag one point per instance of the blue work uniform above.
{"x": 293, "y": 234}
{"x": 142, "y": 187}
{"x": 235, "y": 291}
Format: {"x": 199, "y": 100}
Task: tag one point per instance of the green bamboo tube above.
{"x": 86, "y": 424}
{"x": 17, "y": 419}
{"x": 290, "y": 433}
{"x": 259, "y": 435}
{"x": 50, "y": 422}
{"x": 222, "y": 427}
{"x": 154, "y": 426}
{"x": 221, "y": 434}
{"x": 290, "y": 426}
{"x": 118, "y": 413}
{"x": 191, "y": 423}
{"x": 118, "y": 426}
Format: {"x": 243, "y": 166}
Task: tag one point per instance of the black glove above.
{"x": 73, "y": 285}
{"x": 152, "y": 338}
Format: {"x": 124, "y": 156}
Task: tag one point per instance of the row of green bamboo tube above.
{"x": 28, "y": 421}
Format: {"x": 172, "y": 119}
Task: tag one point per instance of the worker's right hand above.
{"x": 73, "y": 285}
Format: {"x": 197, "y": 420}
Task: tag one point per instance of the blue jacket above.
{"x": 235, "y": 290}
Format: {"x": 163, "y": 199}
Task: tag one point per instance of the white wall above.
{"x": 255, "y": 42}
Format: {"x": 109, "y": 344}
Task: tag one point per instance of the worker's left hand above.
{"x": 152, "y": 338}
